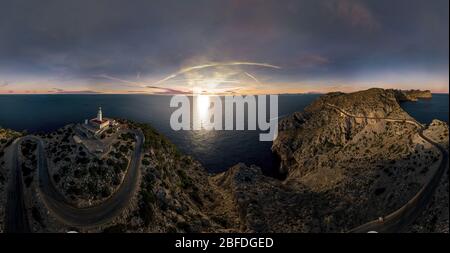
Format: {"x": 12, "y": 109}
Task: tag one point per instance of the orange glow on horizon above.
{"x": 263, "y": 88}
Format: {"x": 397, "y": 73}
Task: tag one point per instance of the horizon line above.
{"x": 211, "y": 94}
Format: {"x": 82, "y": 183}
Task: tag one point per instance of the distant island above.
{"x": 353, "y": 162}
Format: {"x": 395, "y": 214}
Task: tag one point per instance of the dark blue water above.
{"x": 217, "y": 150}
{"x": 425, "y": 110}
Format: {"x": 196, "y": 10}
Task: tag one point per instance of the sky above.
{"x": 222, "y": 46}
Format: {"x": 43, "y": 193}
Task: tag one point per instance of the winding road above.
{"x": 16, "y": 218}
{"x": 405, "y": 215}
{"x": 57, "y": 204}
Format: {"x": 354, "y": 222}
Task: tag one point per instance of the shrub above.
{"x": 105, "y": 192}
{"x": 220, "y": 220}
{"x": 82, "y": 160}
{"x": 56, "y": 178}
{"x": 184, "y": 226}
{"x": 73, "y": 190}
{"x": 123, "y": 149}
{"x": 195, "y": 196}
{"x": 110, "y": 162}
{"x": 379, "y": 191}
{"x": 155, "y": 139}
{"x": 36, "y": 215}
{"x": 26, "y": 170}
{"x": 116, "y": 229}
{"x": 185, "y": 181}
{"x": 146, "y": 211}
{"x": 28, "y": 181}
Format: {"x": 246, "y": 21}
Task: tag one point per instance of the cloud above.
{"x": 63, "y": 91}
{"x": 354, "y": 13}
{"x": 216, "y": 64}
{"x": 162, "y": 90}
{"x": 123, "y": 81}
{"x": 310, "y": 61}
{"x": 141, "y": 42}
{"x": 4, "y": 84}
{"x": 58, "y": 90}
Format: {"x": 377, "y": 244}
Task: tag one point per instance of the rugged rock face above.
{"x": 341, "y": 171}
{"x": 367, "y": 167}
{"x": 265, "y": 204}
{"x": 412, "y": 95}
{"x": 436, "y": 217}
{"x": 306, "y": 137}
{"x": 175, "y": 195}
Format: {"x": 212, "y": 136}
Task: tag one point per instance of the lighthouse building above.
{"x": 99, "y": 124}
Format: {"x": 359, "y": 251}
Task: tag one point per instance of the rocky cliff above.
{"x": 366, "y": 167}
{"x": 341, "y": 171}
{"x": 412, "y": 95}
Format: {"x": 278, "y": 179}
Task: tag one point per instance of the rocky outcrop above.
{"x": 307, "y": 136}
{"x": 371, "y": 167}
{"x": 264, "y": 204}
{"x": 341, "y": 171}
{"x": 412, "y": 95}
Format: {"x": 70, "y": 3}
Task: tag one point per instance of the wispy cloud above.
{"x": 162, "y": 90}
{"x": 354, "y": 12}
{"x": 123, "y": 81}
{"x": 252, "y": 77}
{"x": 310, "y": 61}
{"x": 63, "y": 91}
{"x": 216, "y": 64}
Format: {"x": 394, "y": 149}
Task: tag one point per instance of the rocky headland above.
{"x": 412, "y": 95}
{"x": 362, "y": 168}
{"x": 87, "y": 178}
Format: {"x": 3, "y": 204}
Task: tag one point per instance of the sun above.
{"x": 203, "y": 103}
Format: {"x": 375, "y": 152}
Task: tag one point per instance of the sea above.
{"x": 216, "y": 150}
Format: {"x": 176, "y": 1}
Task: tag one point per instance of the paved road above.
{"x": 405, "y": 215}
{"x": 91, "y": 216}
{"x": 16, "y": 219}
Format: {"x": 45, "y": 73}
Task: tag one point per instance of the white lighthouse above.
{"x": 100, "y": 115}
{"x": 99, "y": 124}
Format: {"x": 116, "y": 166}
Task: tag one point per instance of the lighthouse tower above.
{"x": 100, "y": 115}
{"x": 98, "y": 124}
